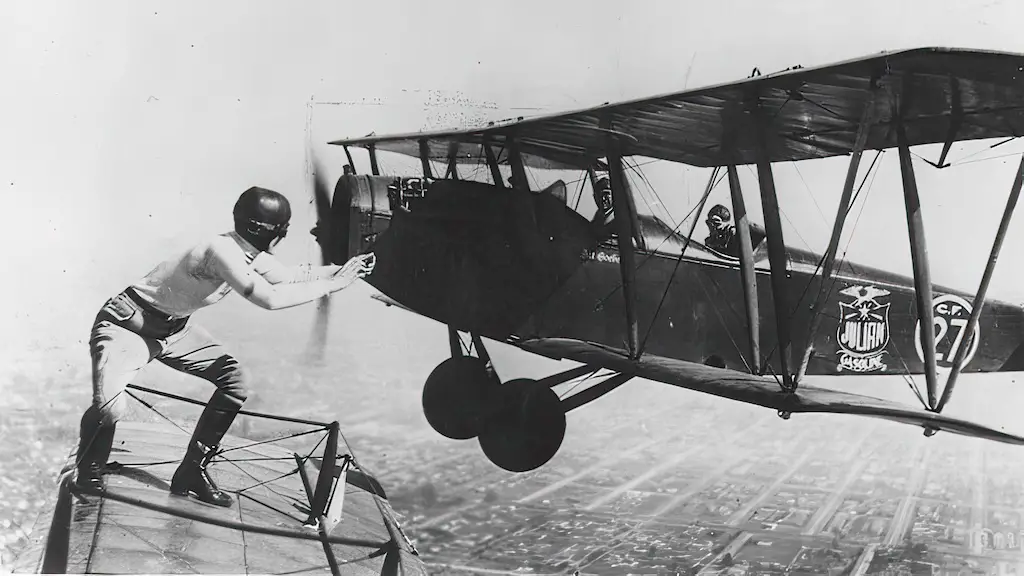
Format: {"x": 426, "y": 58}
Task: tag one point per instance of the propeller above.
{"x": 322, "y": 232}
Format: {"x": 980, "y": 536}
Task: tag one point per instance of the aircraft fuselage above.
{"x": 514, "y": 265}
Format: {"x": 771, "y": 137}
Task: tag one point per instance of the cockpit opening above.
{"x": 717, "y": 238}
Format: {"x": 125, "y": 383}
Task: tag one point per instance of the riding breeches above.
{"x": 126, "y": 336}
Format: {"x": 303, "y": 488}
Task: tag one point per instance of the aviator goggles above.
{"x": 279, "y": 230}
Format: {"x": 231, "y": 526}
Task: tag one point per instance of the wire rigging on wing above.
{"x": 809, "y": 193}
{"x": 635, "y": 167}
{"x": 679, "y": 260}
{"x": 220, "y": 455}
{"x": 579, "y": 195}
{"x": 839, "y": 260}
{"x": 965, "y": 160}
{"x": 321, "y": 428}
{"x": 784, "y": 215}
{"x": 580, "y": 382}
{"x": 653, "y": 253}
{"x": 718, "y": 313}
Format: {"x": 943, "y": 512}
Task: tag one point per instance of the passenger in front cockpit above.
{"x": 605, "y": 213}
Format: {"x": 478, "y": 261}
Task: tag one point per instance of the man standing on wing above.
{"x": 151, "y": 320}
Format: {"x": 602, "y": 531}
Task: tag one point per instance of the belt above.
{"x": 147, "y": 307}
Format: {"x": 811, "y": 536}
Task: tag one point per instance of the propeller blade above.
{"x": 322, "y": 202}
{"x": 318, "y": 337}
{"x": 323, "y": 233}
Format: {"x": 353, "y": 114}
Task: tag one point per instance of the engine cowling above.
{"x": 360, "y": 210}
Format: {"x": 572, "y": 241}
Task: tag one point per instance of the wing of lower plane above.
{"x": 756, "y": 390}
{"x": 133, "y": 525}
{"x": 940, "y": 95}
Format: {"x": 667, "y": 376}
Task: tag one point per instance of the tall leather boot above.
{"x": 95, "y": 439}
{"x": 191, "y": 475}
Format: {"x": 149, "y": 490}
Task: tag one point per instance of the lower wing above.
{"x": 755, "y": 389}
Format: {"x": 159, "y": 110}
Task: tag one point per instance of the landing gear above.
{"x": 529, "y": 428}
{"x": 459, "y": 397}
{"x": 520, "y": 424}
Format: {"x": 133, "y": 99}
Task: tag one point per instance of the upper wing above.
{"x": 757, "y": 390}
{"x": 943, "y": 95}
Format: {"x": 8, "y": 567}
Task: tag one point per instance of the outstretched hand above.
{"x": 356, "y": 268}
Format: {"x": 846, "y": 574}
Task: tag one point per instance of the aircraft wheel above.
{"x": 458, "y": 397}
{"x": 528, "y": 431}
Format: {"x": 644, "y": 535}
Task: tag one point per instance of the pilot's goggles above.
{"x": 279, "y": 230}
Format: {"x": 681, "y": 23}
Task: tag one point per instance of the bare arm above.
{"x": 274, "y": 272}
{"x": 243, "y": 277}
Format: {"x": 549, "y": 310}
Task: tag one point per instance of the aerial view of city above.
{"x": 657, "y": 480}
{"x": 597, "y": 190}
{"x": 649, "y": 480}
{"x": 699, "y": 496}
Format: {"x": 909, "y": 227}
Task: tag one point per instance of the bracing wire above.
{"x": 871, "y": 173}
{"x": 786, "y": 216}
{"x": 276, "y": 439}
{"x": 679, "y": 260}
{"x": 579, "y": 196}
{"x": 821, "y": 261}
{"x": 809, "y": 192}
{"x": 653, "y": 253}
{"x": 718, "y": 313}
{"x": 635, "y": 167}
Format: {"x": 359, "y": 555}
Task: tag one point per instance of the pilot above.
{"x": 721, "y": 233}
{"x": 151, "y": 320}
{"x": 605, "y": 214}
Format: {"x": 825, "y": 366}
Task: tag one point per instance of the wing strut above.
{"x": 979, "y": 298}
{"x": 374, "y": 168}
{"x": 919, "y": 256}
{"x": 453, "y": 159}
{"x": 351, "y": 162}
{"x": 425, "y": 159}
{"x": 492, "y": 163}
{"x": 956, "y": 118}
{"x": 739, "y": 209}
{"x": 594, "y": 392}
{"x": 322, "y": 494}
{"x": 515, "y": 159}
{"x": 776, "y": 250}
{"x": 828, "y": 269}
{"x": 623, "y": 222}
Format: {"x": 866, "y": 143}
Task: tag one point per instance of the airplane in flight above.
{"x": 737, "y": 314}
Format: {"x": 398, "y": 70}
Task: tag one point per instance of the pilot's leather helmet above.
{"x": 262, "y": 214}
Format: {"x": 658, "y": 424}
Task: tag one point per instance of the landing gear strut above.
{"x": 520, "y": 424}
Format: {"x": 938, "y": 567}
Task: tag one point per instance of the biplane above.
{"x": 626, "y": 295}
{"x": 311, "y": 509}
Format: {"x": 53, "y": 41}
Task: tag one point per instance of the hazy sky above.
{"x": 128, "y": 128}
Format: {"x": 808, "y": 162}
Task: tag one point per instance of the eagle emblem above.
{"x": 863, "y": 331}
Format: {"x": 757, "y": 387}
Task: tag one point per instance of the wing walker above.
{"x": 624, "y": 294}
